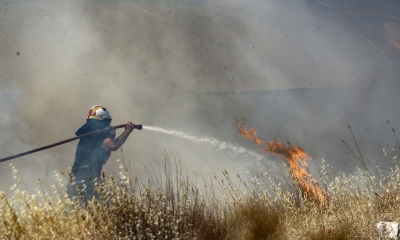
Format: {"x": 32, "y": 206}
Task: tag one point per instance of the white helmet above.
{"x": 99, "y": 112}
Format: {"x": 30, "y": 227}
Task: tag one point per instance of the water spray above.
{"x": 220, "y": 145}
{"x": 136, "y": 126}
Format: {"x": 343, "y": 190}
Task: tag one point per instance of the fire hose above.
{"x": 136, "y": 126}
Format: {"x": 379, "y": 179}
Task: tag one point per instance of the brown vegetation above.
{"x": 170, "y": 207}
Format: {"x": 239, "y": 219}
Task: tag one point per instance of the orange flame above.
{"x": 296, "y": 157}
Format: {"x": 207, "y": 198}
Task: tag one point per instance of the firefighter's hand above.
{"x": 129, "y": 127}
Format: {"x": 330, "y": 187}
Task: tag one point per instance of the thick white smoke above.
{"x": 297, "y": 70}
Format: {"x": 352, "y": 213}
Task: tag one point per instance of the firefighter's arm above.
{"x": 115, "y": 144}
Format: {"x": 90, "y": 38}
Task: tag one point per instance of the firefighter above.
{"x": 93, "y": 152}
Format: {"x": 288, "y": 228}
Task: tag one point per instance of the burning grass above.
{"x": 171, "y": 207}
{"x": 297, "y": 158}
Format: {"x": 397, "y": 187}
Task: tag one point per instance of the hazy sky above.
{"x": 296, "y": 70}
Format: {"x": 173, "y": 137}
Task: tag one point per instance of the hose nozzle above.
{"x": 138, "y": 126}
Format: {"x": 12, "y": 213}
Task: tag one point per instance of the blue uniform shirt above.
{"x": 89, "y": 158}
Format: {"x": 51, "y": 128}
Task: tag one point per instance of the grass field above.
{"x": 169, "y": 206}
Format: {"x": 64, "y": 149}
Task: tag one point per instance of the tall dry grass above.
{"x": 170, "y": 206}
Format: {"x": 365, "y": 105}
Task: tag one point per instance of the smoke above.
{"x": 296, "y": 70}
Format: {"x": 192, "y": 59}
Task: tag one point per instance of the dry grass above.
{"x": 169, "y": 206}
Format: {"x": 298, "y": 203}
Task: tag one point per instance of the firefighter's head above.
{"x": 99, "y": 112}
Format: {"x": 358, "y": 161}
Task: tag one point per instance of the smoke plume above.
{"x": 296, "y": 70}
